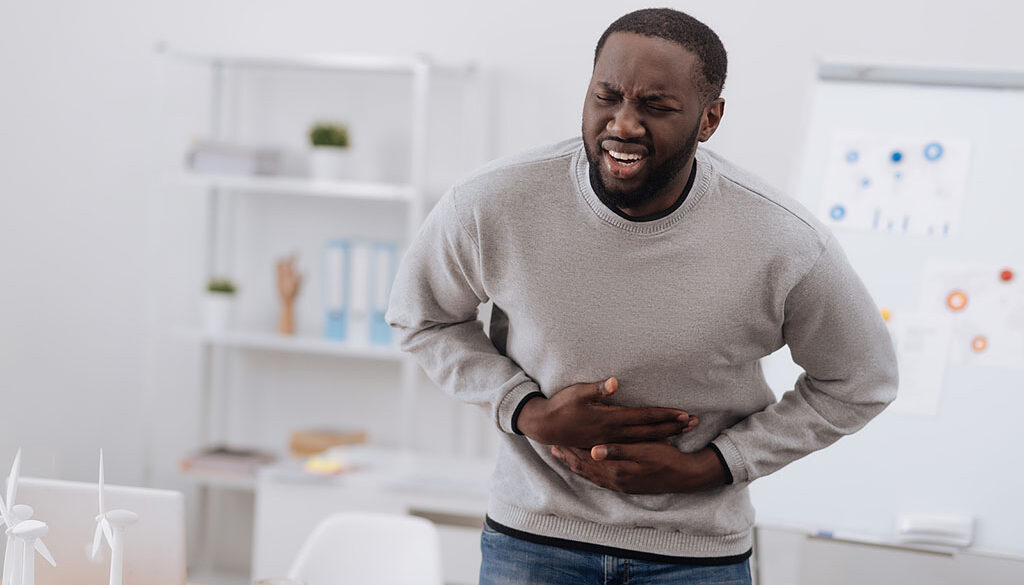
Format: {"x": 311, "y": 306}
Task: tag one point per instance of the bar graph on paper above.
{"x": 912, "y": 186}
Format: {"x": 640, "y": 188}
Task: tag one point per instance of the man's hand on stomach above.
{"x": 577, "y": 416}
{"x": 645, "y": 468}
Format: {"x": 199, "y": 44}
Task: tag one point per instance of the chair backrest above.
{"x": 357, "y": 548}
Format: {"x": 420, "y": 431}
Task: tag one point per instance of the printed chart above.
{"x": 901, "y": 185}
{"x": 984, "y": 307}
{"x": 922, "y": 345}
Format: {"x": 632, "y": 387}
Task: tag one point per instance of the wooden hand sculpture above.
{"x": 288, "y": 283}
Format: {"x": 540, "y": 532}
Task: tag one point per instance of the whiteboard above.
{"x": 967, "y": 458}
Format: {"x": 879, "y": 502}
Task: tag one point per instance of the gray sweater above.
{"x": 679, "y": 309}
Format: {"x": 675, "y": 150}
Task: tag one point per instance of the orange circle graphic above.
{"x": 1006, "y": 275}
{"x": 979, "y": 343}
{"x": 956, "y": 300}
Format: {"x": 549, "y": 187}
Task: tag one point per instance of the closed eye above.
{"x": 661, "y": 108}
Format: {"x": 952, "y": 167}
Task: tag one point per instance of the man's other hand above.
{"x": 578, "y": 417}
{"x": 645, "y": 468}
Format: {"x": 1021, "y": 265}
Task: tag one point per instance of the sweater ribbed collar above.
{"x": 646, "y": 228}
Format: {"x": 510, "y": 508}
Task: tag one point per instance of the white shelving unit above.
{"x": 222, "y": 191}
{"x": 372, "y": 191}
{"x": 261, "y": 340}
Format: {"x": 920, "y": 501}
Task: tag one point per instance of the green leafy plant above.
{"x": 329, "y": 134}
{"x": 221, "y": 285}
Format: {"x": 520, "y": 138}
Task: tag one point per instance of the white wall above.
{"x": 95, "y": 267}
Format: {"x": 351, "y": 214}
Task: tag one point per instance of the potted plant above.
{"x": 329, "y": 159}
{"x": 220, "y": 300}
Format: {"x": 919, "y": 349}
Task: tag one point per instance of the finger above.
{"x": 607, "y": 387}
{"x": 593, "y": 392}
{"x": 570, "y": 458}
{"x": 691, "y": 424}
{"x": 638, "y": 433}
{"x": 576, "y": 454}
{"x": 633, "y": 415}
{"x": 606, "y": 452}
{"x": 566, "y": 454}
{"x": 631, "y": 452}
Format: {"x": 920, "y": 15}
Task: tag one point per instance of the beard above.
{"x": 658, "y": 178}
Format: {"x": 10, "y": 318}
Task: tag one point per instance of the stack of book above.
{"x": 221, "y": 459}
{"x": 225, "y": 158}
{"x": 307, "y": 443}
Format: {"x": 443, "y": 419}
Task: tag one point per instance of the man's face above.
{"x": 642, "y": 118}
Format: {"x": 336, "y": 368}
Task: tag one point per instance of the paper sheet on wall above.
{"x": 922, "y": 344}
{"x": 984, "y": 307}
{"x": 895, "y": 184}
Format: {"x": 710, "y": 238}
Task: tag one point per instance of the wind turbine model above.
{"x": 12, "y": 517}
{"x": 111, "y": 525}
{"x": 18, "y": 515}
{"x": 30, "y": 533}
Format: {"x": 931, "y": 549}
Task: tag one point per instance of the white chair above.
{"x": 356, "y": 548}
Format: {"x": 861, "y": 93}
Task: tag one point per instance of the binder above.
{"x": 359, "y": 293}
{"x": 357, "y": 284}
{"x": 337, "y": 275}
{"x": 383, "y": 270}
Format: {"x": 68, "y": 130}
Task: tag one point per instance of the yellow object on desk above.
{"x": 308, "y": 442}
{"x": 323, "y": 466}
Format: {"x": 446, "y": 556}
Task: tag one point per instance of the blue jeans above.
{"x": 512, "y": 561}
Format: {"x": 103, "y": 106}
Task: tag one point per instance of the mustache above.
{"x": 639, "y": 141}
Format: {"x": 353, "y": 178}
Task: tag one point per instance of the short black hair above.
{"x": 683, "y": 29}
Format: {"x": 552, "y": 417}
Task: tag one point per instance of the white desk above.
{"x": 451, "y": 492}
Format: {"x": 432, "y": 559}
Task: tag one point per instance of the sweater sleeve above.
{"x": 433, "y": 310}
{"x": 836, "y": 334}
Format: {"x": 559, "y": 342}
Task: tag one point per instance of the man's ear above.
{"x": 711, "y": 118}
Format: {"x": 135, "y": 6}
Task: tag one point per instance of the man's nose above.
{"x": 626, "y": 122}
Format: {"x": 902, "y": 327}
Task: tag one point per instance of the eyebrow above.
{"x": 651, "y": 97}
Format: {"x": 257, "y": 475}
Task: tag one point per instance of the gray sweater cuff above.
{"x": 519, "y": 409}
{"x": 510, "y": 404}
{"x": 732, "y": 457}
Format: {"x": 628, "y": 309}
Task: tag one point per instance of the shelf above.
{"x": 445, "y": 484}
{"x": 295, "y": 344}
{"x": 221, "y": 360}
{"x": 374, "y": 191}
{"x": 351, "y": 62}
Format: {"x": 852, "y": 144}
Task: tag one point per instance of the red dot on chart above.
{"x": 1006, "y": 275}
{"x": 957, "y": 300}
{"x": 979, "y": 343}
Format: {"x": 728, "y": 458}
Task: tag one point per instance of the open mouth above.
{"x": 623, "y": 165}
{"x": 624, "y": 158}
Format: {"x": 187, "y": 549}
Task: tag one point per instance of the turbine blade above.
{"x": 107, "y": 532}
{"x": 102, "y": 509}
{"x": 96, "y": 540}
{"x": 12, "y": 479}
{"x": 41, "y": 549}
{"x": 3, "y": 513}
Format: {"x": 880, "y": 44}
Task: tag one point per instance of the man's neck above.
{"x": 667, "y": 204}
{"x": 668, "y": 199}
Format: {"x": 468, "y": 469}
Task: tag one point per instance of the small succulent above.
{"x": 221, "y": 285}
{"x": 329, "y": 134}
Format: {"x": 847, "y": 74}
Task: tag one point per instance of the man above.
{"x": 637, "y": 280}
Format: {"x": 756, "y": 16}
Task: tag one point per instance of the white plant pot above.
{"x": 217, "y": 312}
{"x": 329, "y": 163}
